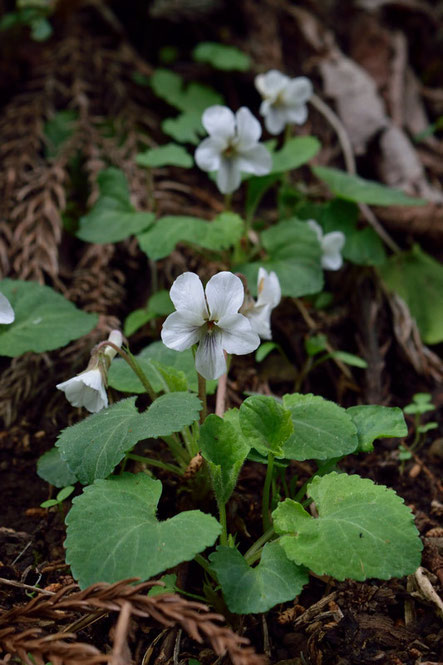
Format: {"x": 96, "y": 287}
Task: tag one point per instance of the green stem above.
{"x": 202, "y": 397}
{"x": 129, "y": 358}
{"x": 223, "y": 522}
{"x": 267, "y": 522}
{"x": 252, "y": 551}
{"x": 324, "y": 468}
{"x": 228, "y": 202}
{"x": 206, "y": 567}
{"x": 154, "y": 462}
{"x": 176, "y": 449}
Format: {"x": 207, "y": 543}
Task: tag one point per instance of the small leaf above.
{"x": 376, "y": 422}
{"x": 44, "y": 319}
{"x": 265, "y": 424}
{"x": 248, "y": 590}
{"x": 113, "y": 218}
{"x": 159, "y": 304}
{"x": 264, "y": 350}
{"x": 418, "y": 279}
{"x": 121, "y": 377}
{"x": 50, "y": 503}
{"x": 295, "y": 152}
{"x": 165, "y": 155}
{"x": 362, "y": 530}
{"x": 315, "y": 344}
{"x": 64, "y": 493}
{"x": 354, "y": 188}
{"x": 114, "y": 522}
{"x": 294, "y": 253}
{"x": 223, "y": 232}
{"x": 185, "y": 128}
{"x": 348, "y": 358}
{"x": 93, "y": 447}
{"x": 41, "y": 29}
{"x": 220, "y": 56}
{"x": 322, "y": 429}
{"x": 169, "y": 581}
{"x": 54, "y": 470}
{"x": 194, "y": 97}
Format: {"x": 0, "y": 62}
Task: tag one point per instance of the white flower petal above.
{"x": 210, "y": 360}
{"x": 224, "y": 294}
{"x": 260, "y": 320}
{"x": 237, "y": 335}
{"x": 181, "y": 330}
{"x": 316, "y": 228}
{"x": 297, "y": 114}
{"x": 332, "y": 245}
{"x": 208, "y": 154}
{"x": 248, "y": 129}
{"x": 86, "y": 389}
{"x": 6, "y": 312}
{"x": 269, "y": 85}
{"x": 187, "y": 294}
{"x": 228, "y": 176}
{"x": 257, "y": 160}
{"x": 116, "y": 338}
{"x": 268, "y": 288}
{"x": 219, "y": 121}
{"x": 275, "y": 120}
{"x": 297, "y": 91}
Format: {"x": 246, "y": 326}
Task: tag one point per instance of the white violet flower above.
{"x": 6, "y": 312}
{"x": 88, "y": 388}
{"x": 209, "y": 317}
{"x": 232, "y": 146}
{"x": 284, "y": 99}
{"x": 259, "y": 312}
{"x": 331, "y": 246}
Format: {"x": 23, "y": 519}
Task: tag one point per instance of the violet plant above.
{"x": 331, "y": 524}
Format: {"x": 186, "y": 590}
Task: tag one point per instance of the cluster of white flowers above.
{"x": 212, "y": 318}
{"x": 331, "y": 246}
{"x": 6, "y": 312}
{"x": 233, "y": 144}
{"x": 88, "y": 388}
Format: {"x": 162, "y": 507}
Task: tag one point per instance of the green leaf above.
{"x": 265, "y": 424}
{"x": 41, "y": 29}
{"x": 223, "y": 232}
{"x": 418, "y": 279}
{"x": 50, "y": 503}
{"x": 113, "y": 532}
{"x": 421, "y": 403}
{"x": 376, "y": 422}
{"x": 354, "y": 188}
{"x": 44, "y": 319}
{"x": 315, "y": 344}
{"x": 58, "y": 130}
{"x": 170, "y": 154}
{"x": 248, "y": 590}
{"x": 93, "y": 447}
{"x": 363, "y": 246}
{"x": 170, "y": 582}
{"x": 322, "y": 429}
{"x": 348, "y": 358}
{"x": 64, "y": 493}
{"x": 256, "y": 189}
{"x": 185, "y": 128}
{"x": 294, "y": 253}
{"x": 264, "y": 350}
{"x": 54, "y": 470}
{"x": 363, "y": 530}
{"x": 159, "y": 304}
{"x": 121, "y": 377}
{"x": 171, "y": 87}
{"x": 113, "y": 218}
{"x": 220, "y": 56}
{"x": 225, "y": 453}
{"x": 294, "y": 153}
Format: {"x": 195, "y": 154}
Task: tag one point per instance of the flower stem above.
{"x": 202, "y": 397}
{"x": 129, "y": 358}
{"x": 228, "y": 201}
{"x": 222, "y": 515}
{"x": 267, "y": 522}
{"x": 154, "y": 462}
{"x": 257, "y": 546}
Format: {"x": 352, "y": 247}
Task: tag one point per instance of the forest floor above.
{"x": 88, "y": 65}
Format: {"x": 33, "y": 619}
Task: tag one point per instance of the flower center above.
{"x": 210, "y": 326}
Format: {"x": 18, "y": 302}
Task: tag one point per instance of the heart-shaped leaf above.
{"x": 248, "y": 590}
{"x": 93, "y": 447}
{"x": 362, "y": 530}
{"x": 376, "y": 422}
{"x": 44, "y": 319}
{"x": 113, "y": 532}
{"x": 54, "y": 470}
{"x": 265, "y": 424}
{"x": 322, "y": 429}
